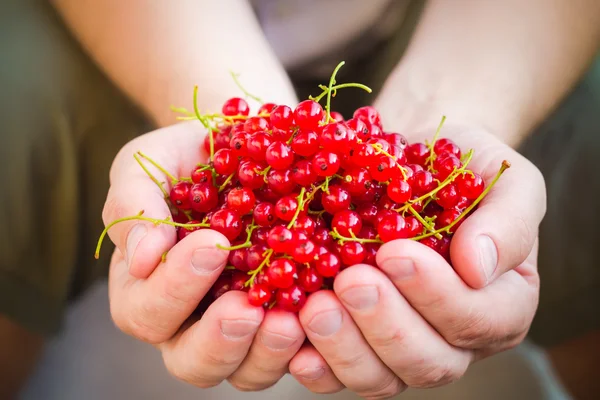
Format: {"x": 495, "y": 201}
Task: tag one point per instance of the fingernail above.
{"x": 238, "y": 328}
{"x": 207, "y": 260}
{"x": 326, "y": 323}
{"x": 311, "y": 374}
{"x": 275, "y": 341}
{"x": 399, "y": 269}
{"x": 135, "y": 236}
{"x": 361, "y": 297}
{"x": 488, "y": 255}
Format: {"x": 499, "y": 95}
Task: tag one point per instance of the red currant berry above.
{"x": 399, "y": 191}
{"x": 305, "y": 224}
{"x": 281, "y": 273}
{"x": 259, "y": 295}
{"x": 304, "y": 252}
{"x": 337, "y": 199}
{"x": 238, "y": 281}
{"x": 266, "y": 108}
{"x": 309, "y": 280}
{"x": 362, "y": 130}
{"x": 239, "y": 144}
{"x": 286, "y": 207}
{"x": 235, "y": 106}
{"x": 469, "y": 185}
{"x": 279, "y": 155}
{"x": 203, "y": 197}
{"x": 322, "y": 237}
{"x": 180, "y": 195}
{"x": 391, "y": 227}
{"x": 352, "y": 253}
{"x": 201, "y": 176}
{"x": 396, "y": 139}
{"x": 447, "y": 217}
{"x": 347, "y": 223}
{"x": 258, "y": 144}
{"x": 417, "y": 153}
{"x": 445, "y": 165}
{"x": 357, "y": 181}
{"x": 383, "y": 168}
{"x": 335, "y": 137}
{"x": 281, "y": 239}
{"x": 282, "y": 117}
{"x": 368, "y": 115}
{"x": 280, "y": 180}
{"x": 305, "y": 143}
{"x": 368, "y": 213}
{"x": 220, "y": 287}
{"x": 239, "y": 259}
{"x": 226, "y": 222}
{"x": 308, "y": 114}
{"x": 337, "y": 116}
{"x": 415, "y": 228}
{"x": 183, "y": 232}
{"x": 249, "y": 174}
{"x": 423, "y": 182}
{"x": 255, "y": 256}
{"x": 303, "y": 174}
{"x": 241, "y": 200}
{"x": 291, "y": 299}
{"x": 328, "y": 265}
{"x": 256, "y": 124}
{"x": 448, "y": 197}
{"x": 325, "y": 163}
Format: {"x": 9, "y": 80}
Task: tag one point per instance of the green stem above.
{"x": 341, "y": 239}
{"x": 435, "y": 138}
{"x": 229, "y": 178}
{"x": 244, "y": 245}
{"x": 152, "y": 177}
{"x": 239, "y": 85}
{"x": 255, "y": 272}
{"x": 329, "y": 90}
{"x": 155, "y": 221}
{"x": 380, "y": 150}
{"x": 446, "y": 229}
{"x": 342, "y": 86}
{"x": 422, "y": 221}
{"x": 159, "y": 167}
{"x": 205, "y": 123}
{"x": 300, "y": 207}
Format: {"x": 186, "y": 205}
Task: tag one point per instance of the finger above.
{"x": 500, "y": 234}
{"x": 212, "y": 348}
{"x": 496, "y": 316}
{"x": 278, "y": 339}
{"x": 142, "y": 243}
{"x": 310, "y": 369}
{"x": 402, "y": 339}
{"x": 153, "y": 309}
{"x": 332, "y": 332}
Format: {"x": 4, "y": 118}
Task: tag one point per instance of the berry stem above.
{"x": 229, "y": 178}
{"x": 505, "y": 165}
{"x": 255, "y": 272}
{"x": 239, "y": 85}
{"x": 426, "y": 224}
{"x": 139, "y": 216}
{"x": 244, "y": 245}
{"x": 159, "y": 167}
{"x": 300, "y": 207}
{"x": 152, "y": 177}
{"x": 435, "y": 138}
{"x": 204, "y": 122}
{"x": 380, "y": 150}
{"x": 446, "y": 182}
{"x": 329, "y": 89}
{"x": 342, "y": 239}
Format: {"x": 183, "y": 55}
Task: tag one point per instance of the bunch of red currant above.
{"x": 302, "y": 194}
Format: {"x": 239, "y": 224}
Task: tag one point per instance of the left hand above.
{"x": 418, "y": 321}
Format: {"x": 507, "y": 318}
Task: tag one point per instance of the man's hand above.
{"x": 153, "y": 300}
{"x": 418, "y": 321}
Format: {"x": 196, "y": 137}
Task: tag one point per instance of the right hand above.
{"x": 153, "y": 301}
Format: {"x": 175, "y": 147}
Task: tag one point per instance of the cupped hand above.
{"x": 154, "y": 300}
{"x": 417, "y": 321}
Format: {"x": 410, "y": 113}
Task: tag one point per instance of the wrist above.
{"x": 413, "y": 101}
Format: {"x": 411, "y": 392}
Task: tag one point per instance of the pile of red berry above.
{"x": 302, "y": 194}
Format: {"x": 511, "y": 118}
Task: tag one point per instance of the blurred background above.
{"x": 56, "y": 108}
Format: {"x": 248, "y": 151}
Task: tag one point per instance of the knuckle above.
{"x": 389, "y": 339}
{"x": 187, "y": 374}
{"x": 349, "y": 361}
{"x": 387, "y": 388}
{"x": 244, "y": 385}
{"x": 140, "y": 328}
{"x": 223, "y": 359}
{"x": 430, "y": 375}
{"x": 470, "y": 331}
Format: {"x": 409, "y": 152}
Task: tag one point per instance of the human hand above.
{"x": 154, "y": 301}
{"x": 419, "y": 322}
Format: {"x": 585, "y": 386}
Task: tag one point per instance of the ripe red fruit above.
{"x": 304, "y": 252}
{"x": 280, "y": 181}
{"x": 258, "y": 144}
{"x": 448, "y": 197}
{"x": 226, "y": 222}
{"x": 337, "y": 199}
{"x": 368, "y": 115}
{"x": 336, "y": 137}
{"x": 180, "y": 195}
{"x": 303, "y": 173}
{"x": 309, "y": 280}
{"x": 392, "y": 226}
{"x": 249, "y": 174}
{"x": 291, "y": 299}
{"x": 256, "y": 124}
{"x": 328, "y": 265}
{"x": 183, "y": 232}
{"x": 203, "y": 197}
{"x": 308, "y": 114}
{"x": 241, "y": 200}
{"x": 305, "y": 143}
{"x": 470, "y": 185}
{"x": 281, "y": 273}
{"x": 399, "y": 190}
{"x": 281, "y": 239}
{"x": 347, "y": 222}
{"x": 264, "y": 214}
{"x": 239, "y": 259}
{"x": 259, "y": 295}
{"x": 286, "y": 207}
{"x": 279, "y": 155}
{"x": 325, "y": 163}
{"x": 235, "y": 106}
{"x": 352, "y": 253}
{"x": 417, "y": 153}
{"x": 282, "y": 117}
